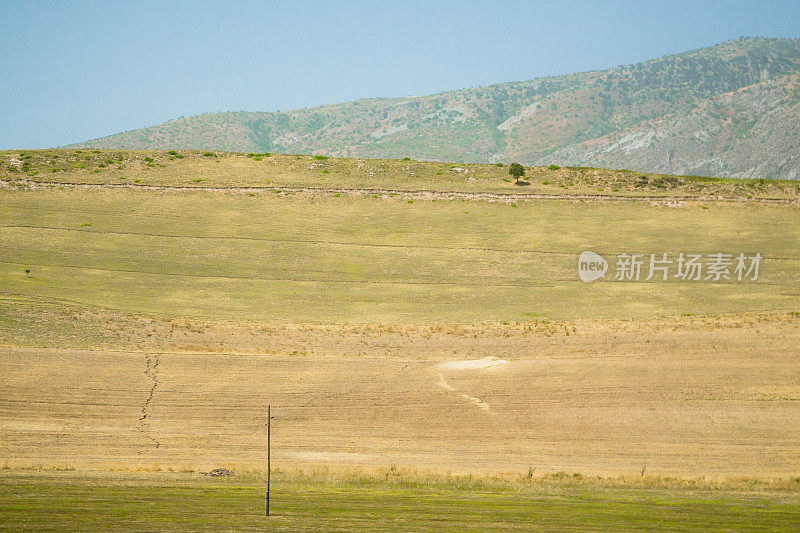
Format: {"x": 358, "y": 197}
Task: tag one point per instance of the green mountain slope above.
{"x": 730, "y": 110}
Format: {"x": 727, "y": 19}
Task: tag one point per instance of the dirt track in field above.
{"x": 419, "y": 194}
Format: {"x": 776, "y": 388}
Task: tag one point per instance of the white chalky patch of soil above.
{"x": 474, "y": 364}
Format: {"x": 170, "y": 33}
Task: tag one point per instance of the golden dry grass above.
{"x": 683, "y": 397}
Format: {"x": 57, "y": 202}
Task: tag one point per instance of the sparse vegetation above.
{"x": 292, "y": 171}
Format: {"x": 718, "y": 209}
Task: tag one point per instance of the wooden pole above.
{"x": 269, "y": 419}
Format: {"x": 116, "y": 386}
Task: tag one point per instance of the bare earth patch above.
{"x": 474, "y": 364}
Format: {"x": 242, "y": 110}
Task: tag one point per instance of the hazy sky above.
{"x": 71, "y": 71}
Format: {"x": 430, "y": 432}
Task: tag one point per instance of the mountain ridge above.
{"x": 729, "y": 110}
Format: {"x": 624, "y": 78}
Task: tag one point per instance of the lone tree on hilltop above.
{"x": 516, "y": 170}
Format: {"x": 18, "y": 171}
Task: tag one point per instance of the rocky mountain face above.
{"x": 731, "y": 110}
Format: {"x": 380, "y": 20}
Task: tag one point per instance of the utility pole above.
{"x": 266, "y": 499}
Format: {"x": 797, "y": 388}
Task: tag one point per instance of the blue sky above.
{"x": 71, "y": 71}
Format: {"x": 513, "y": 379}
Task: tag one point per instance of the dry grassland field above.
{"x": 420, "y": 332}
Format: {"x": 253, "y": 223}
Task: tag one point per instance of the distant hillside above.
{"x": 731, "y": 110}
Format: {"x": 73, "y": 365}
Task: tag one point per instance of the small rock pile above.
{"x": 217, "y": 472}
